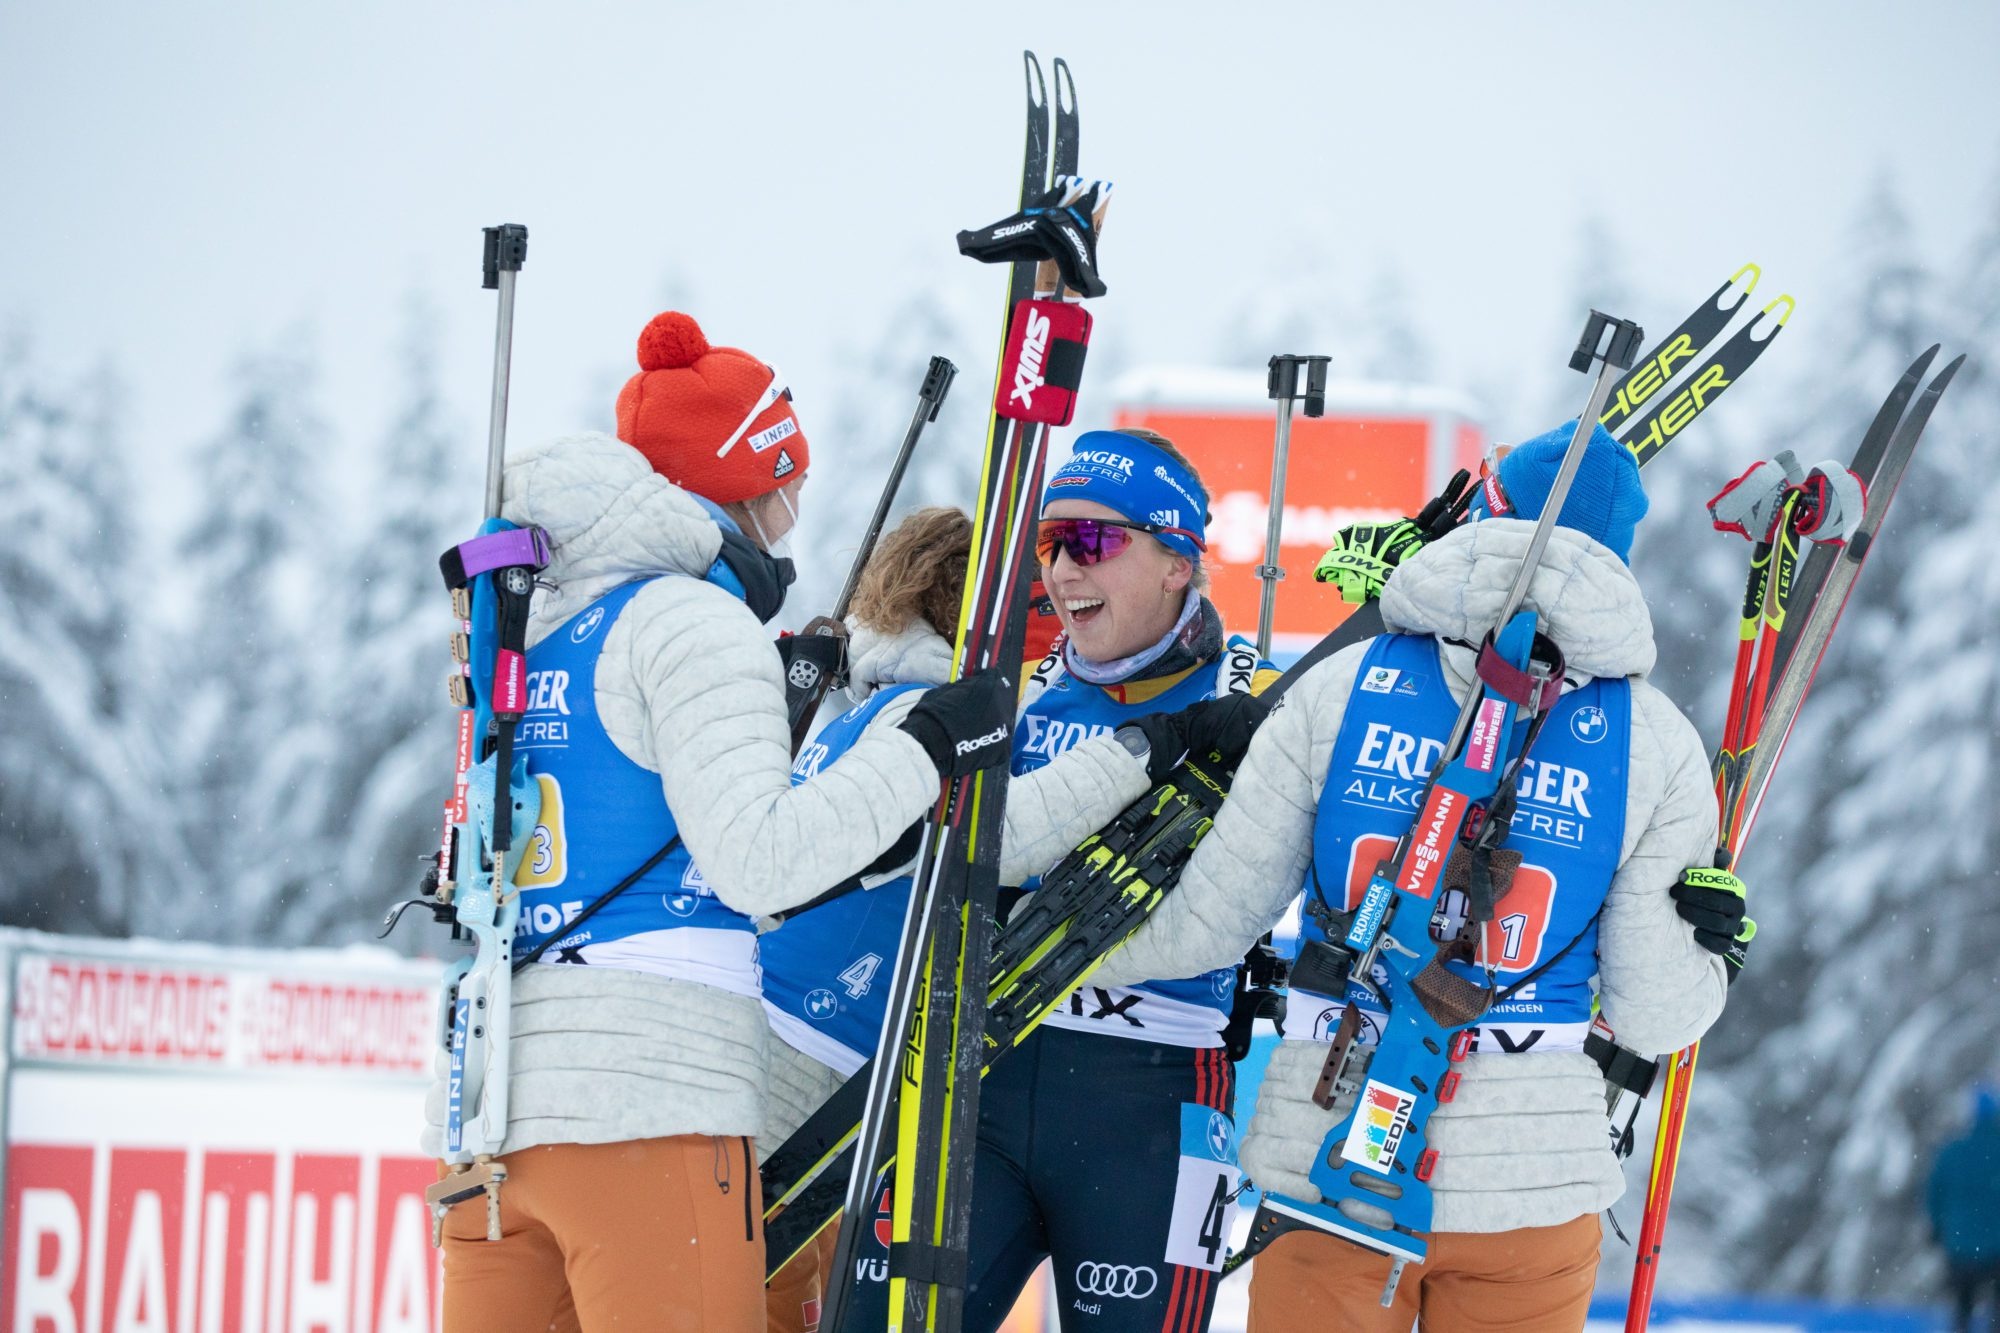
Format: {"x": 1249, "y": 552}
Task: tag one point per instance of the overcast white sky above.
{"x": 180, "y": 183}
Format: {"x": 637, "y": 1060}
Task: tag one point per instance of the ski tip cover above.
{"x": 1789, "y": 306}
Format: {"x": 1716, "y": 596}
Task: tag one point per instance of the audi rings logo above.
{"x": 1118, "y": 1280}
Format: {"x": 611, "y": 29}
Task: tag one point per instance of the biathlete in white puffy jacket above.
{"x": 827, "y": 970}
{"x": 657, "y": 712}
{"x": 1615, "y": 804}
{"x": 1082, "y": 1128}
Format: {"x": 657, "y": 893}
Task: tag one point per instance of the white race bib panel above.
{"x": 1205, "y": 1196}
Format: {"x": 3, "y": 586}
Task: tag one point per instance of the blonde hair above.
{"x": 1172, "y": 450}
{"x": 916, "y": 573}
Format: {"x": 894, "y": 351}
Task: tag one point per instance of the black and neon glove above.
{"x": 1364, "y": 554}
{"x": 1214, "y": 726}
{"x": 1712, "y": 902}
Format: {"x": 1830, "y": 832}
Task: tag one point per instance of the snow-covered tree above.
{"x": 257, "y": 667}
{"x": 84, "y": 829}
{"x": 390, "y": 770}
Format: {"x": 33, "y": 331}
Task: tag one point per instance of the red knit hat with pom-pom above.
{"x": 714, "y": 420}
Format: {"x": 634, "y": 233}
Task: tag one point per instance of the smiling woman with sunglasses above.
{"x": 1081, "y": 1129}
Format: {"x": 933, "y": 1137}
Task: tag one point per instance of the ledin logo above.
{"x": 1028, "y": 370}
{"x": 587, "y": 624}
{"x": 1381, "y": 1119}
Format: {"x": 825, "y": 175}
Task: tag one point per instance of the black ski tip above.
{"x": 1038, "y": 90}
{"x": 1065, "y": 87}
{"x": 1937, "y": 386}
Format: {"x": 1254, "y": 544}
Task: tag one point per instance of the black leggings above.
{"x": 1080, "y": 1143}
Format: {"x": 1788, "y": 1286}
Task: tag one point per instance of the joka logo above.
{"x": 803, "y": 675}
{"x": 820, "y": 1005}
{"x": 1588, "y": 725}
{"x": 1380, "y": 1121}
{"x": 1028, "y": 370}
{"x": 1380, "y": 680}
{"x": 785, "y": 466}
{"x": 1120, "y": 1280}
{"x": 1221, "y": 1136}
{"x": 587, "y": 624}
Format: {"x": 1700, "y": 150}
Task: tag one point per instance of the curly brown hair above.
{"x": 916, "y": 573}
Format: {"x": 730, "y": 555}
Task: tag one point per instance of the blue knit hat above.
{"x": 1605, "y": 500}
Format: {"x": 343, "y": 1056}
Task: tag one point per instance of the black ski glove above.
{"x": 764, "y": 577}
{"x": 965, "y": 726}
{"x": 1221, "y": 726}
{"x": 1712, "y": 902}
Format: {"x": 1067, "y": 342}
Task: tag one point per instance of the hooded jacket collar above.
{"x": 1589, "y": 602}
{"x": 610, "y": 519}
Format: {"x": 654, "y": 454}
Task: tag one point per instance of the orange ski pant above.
{"x": 649, "y": 1236}
{"x": 1533, "y": 1280}
{"x": 793, "y": 1299}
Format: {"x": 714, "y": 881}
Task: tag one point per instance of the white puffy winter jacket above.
{"x": 689, "y": 686}
{"x": 1525, "y": 1142}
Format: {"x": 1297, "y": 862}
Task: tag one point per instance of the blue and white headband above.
{"x": 1141, "y": 481}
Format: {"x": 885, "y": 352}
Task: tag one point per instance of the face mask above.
{"x": 780, "y": 549}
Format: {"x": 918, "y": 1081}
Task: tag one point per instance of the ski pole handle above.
{"x": 506, "y": 250}
{"x": 1613, "y": 343}
{"x": 1284, "y": 390}
{"x": 930, "y": 400}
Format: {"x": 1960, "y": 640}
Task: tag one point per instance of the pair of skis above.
{"x": 927, "y": 1061}
{"x": 1775, "y": 644}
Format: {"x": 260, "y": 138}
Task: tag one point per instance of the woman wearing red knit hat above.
{"x": 657, "y": 717}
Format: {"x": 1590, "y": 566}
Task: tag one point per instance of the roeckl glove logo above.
{"x": 978, "y": 743}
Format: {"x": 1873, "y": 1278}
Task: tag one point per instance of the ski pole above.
{"x": 930, "y": 400}
{"x": 506, "y": 251}
{"x": 1284, "y": 389}
{"x": 815, "y": 658}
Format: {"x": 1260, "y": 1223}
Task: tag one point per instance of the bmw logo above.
{"x": 587, "y": 625}
{"x": 820, "y": 1005}
{"x": 1220, "y": 1136}
{"x": 1588, "y": 724}
{"x": 681, "y": 904}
